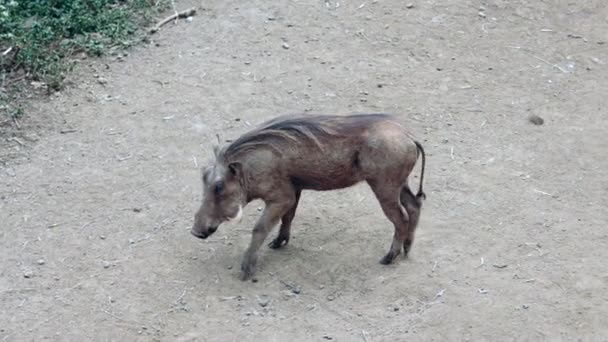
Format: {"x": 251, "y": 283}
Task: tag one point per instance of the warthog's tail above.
{"x": 421, "y": 194}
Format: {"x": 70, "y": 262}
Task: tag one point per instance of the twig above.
{"x": 16, "y": 140}
{"x": 66, "y": 131}
{"x": 16, "y": 122}
{"x": 535, "y": 245}
{"x": 550, "y": 64}
{"x": 542, "y": 192}
{"x": 540, "y": 59}
{"x": 364, "y": 334}
{"x": 6, "y": 52}
{"x": 180, "y": 297}
{"x": 176, "y": 15}
{"x": 195, "y": 162}
{"x": 111, "y": 314}
{"x": 481, "y": 262}
{"x": 124, "y": 158}
{"x": 439, "y": 294}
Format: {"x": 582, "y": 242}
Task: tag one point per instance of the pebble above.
{"x": 189, "y": 19}
{"x": 263, "y": 301}
{"x": 28, "y": 274}
{"x": 481, "y": 14}
{"x": 409, "y": 5}
{"x": 40, "y": 262}
{"x": 535, "y": 119}
{"x": 105, "y": 264}
{"x": 285, "y": 46}
{"x": 525, "y": 306}
{"x": 331, "y": 298}
{"x": 102, "y": 237}
{"x": 500, "y": 265}
{"x": 102, "y": 80}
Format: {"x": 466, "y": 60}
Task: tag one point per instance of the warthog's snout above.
{"x": 204, "y": 234}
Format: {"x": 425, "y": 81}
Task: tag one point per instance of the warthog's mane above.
{"x": 313, "y": 130}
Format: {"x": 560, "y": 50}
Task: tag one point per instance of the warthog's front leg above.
{"x": 270, "y": 217}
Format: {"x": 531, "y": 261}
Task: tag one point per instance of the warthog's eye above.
{"x": 218, "y": 187}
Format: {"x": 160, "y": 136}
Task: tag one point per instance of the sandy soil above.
{"x": 512, "y": 242}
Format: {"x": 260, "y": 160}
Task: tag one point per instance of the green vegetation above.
{"x": 40, "y": 38}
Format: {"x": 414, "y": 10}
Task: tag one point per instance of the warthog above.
{"x": 288, "y": 154}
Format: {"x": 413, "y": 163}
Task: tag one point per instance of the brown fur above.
{"x": 284, "y": 156}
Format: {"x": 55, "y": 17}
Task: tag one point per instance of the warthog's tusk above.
{"x": 238, "y": 216}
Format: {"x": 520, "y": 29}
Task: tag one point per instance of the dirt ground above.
{"x": 95, "y": 241}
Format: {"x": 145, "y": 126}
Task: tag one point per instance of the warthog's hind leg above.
{"x": 388, "y": 196}
{"x": 284, "y": 232}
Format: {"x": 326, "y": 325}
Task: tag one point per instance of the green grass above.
{"x": 39, "y": 38}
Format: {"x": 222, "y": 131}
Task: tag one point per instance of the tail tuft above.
{"x": 421, "y": 195}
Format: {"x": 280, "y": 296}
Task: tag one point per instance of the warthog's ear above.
{"x": 235, "y": 169}
{"x": 216, "y": 147}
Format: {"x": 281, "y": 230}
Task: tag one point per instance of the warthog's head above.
{"x": 223, "y": 198}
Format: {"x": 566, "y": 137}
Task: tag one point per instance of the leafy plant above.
{"x": 39, "y": 37}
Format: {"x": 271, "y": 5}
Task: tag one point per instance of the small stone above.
{"x": 263, "y": 301}
{"x": 409, "y": 5}
{"x": 102, "y": 237}
{"x": 395, "y": 308}
{"x": 535, "y": 119}
{"x": 230, "y": 267}
{"x": 40, "y": 262}
{"x": 260, "y": 209}
{"x": 131, "y": 241}
{"x": 28, "y": 274}
{"x": 500, "y": 265}
{"x": 525, "y": 306}
{"x": 331, "y": 298}
{"x": 105, "y": 264}
{"x": 189, "y": 19}
{"x": 102, "y": 80}
{"x": 481, "y": 14}
{"x": 194, "y": 257}
{"x": 285, "y": 46}
{"x": 321, "y": 286}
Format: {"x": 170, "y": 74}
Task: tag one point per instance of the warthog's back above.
{"x": 327, "y": 152}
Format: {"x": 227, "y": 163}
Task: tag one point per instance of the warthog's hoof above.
{"x": 247, "y": 270}
{"x": 278, "y": 242}
{"x": 407, "y": 246}
{"x": 388, "y": 258}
